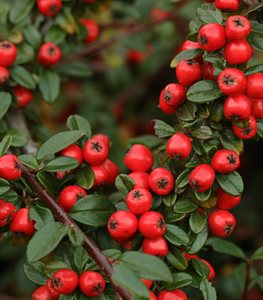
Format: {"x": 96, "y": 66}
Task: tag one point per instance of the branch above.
{"x": 247, "y": 280}
{"x": 250, "y": 2}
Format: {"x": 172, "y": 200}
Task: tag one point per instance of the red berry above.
{"x": 65, "y": 281}
{"x": 257, "y": 108}
{"x": 212, "y": 273}
{"x": 248, "y": 131}
{"x": 49, "y": 54}
{"x": 165, "y": 108}
{"x": 159, "y": 14}
{"x": 161, "y": 181}
{"x": 179, "y": 146}
{"x": 237, "y": 27}
{"x": 10, "y": 167}
{"x": 188, "y": 45}
{"x": 21, "y": 222}
{"x": 8, "y": 53}
{"x": 225, "y": 161}
{"x": 173, "y": 94}
{"x": 152, "y": 296}
{"x": 157, "y": 246}
{"x": 225, "y": 200}
{"x": 190, "y": 256}
{"x": 212, "y": 37}
{"x": 22, "y": 95}
{"x": 139, "y": 201}
{"x": 101, "y": 176}
{"x": 152, "y": 225}
{"x": 49, "y": 8}
{"x": 4, "y": 75}
{"x": 54, "y": 294}
{"x": 96, "y": 150}
{"x": 232, "y": 81}
{"x": 237, "y": 52}
{"x": 139, "y": 158}
{"x": 221, "y": 223}
{"x": 70, "y": 195}
{"x": 208, "y": 71}
{"x": 112, "y": 170}
{"x": 254, "y": 85}
{"x": 92, "y": 29}
{"x": 135, "y": 56}
{"x": 42, "y": 293}
{"x": 230, "y": 5}
{"x": 122, "y": 225}
{"x": 7, "y": 212}
{"x": 237, "y": 107}
{"x": 73, "y": 151}
{"x": 188, "y": 72}
{"x": 172, "y": 295}
{"x": 140, "y": 180}
{"x": 148, "y": 283}
{"x": 202, "y": 178}
{"x": 92, "y": 284}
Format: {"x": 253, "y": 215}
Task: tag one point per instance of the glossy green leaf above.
{"x": 258, "y": 254}
{"x": 81, "y": 258}
{"x": 185, "y": 206}
{"x": 32, "y": 35}
{"x": 180, "y": 280}
{"x": 41, "y": 215}
{"x": 76, "y": 237}
{"x": 175, "y": 235}
{"x": 204, "y": 91}
{"x": 230, "y": 141}
{"x": 62, "y": 163}
{"x": 255, "y": 69}
{"x": 19, "y": 138}
{"x": 5, "y": 102}
{"x": 76, "y": 122}
{"x": 200, "y": 267}
{"x": 186, "y": 54}
{"x": 231, "y": 183}
{"x": 4, "y": 186}
{"x": 182, "y": 179}
{"x": 49, "y": 85}
{"x": 35, "y": 272}
{"x": 208, "y": 290}
{"x": 85, "y": 178}
{"x": 162, "y": 129}
{"x": 177, "y": 259}
{"x": 256, "y": 41}
{"x": 148, "y": 140}
{"x": 20, "y": 10}
{"x": 124, "y": 184}
{"x": 197, "y": 241}
{"x": 197, "y": 222}
{"x": 29, "y": 161}
{"x": 5, "y": 144}
{"x": 55, "y": 35}
{"x": 23, "y": 77}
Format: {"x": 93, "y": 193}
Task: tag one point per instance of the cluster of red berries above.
{"x": 95, "y": 153}
{"x": 65, "y": 282}
{"x": 8, "y": 53}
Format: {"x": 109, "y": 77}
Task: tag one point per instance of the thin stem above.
{"x": 247, "y": 280}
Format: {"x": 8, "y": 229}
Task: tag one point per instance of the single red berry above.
{"x": 173, "y": 94}
{"x": 139, "y": 201}
{"x": 22, "y": 95}
{"x": 165, "y": 108}
{"x": 202, "y": 178}
{"x": 92, "y": 29}
{"x": 139, "y": 158}
{"x": 140, "y": 180}
{"x": 21, "y": 223}
{"x": 92, "y": 284}
{"x": 248, "y": 131}
{"x": 122, "y": 225}
{"x": 159, "y": 14}
{"x": 49, "y": 8}
{"x": 101, "y": 175}
{"x": 135, "y": 56}
{"x": 172, "y": 295}
{"x": 112, "y": 170}
{"x": 152, "y": 296}
{"x": 4, "y": 75}
{"x": 237, "y": 52}
{"x": 232, "y": 81}
{"x": 257, "y": 108}
{"x": 96, "y": 150}
{"x": 148, "y": 283}
{"x": 254, "y": 85}
{"x": 42, "y": 293}
{"x": 229, "y": 5}
{"x": 221, "y": 223}
{"x": 237, "y": 107}
{"x": 70, "y": 195}
{"x": 161, "y": 181}
{"x": 157, "y": 246}
{"x": 54, "y": 294}
{"x": 152, "y": 225}
{"x": 64, "y": 281}
{"x": 73, "y": 151}
{"x": 10, "y": 167}
{"x": 212, "y": 272}
{"x": 179, "y": 146}
{"x": 188, "y": 72}
{"x": 191, "y": 256}
{"x": 225, "y": 200}
{"x": 8, "y": 53}
{"x": 212, "y": 37}
{"x": 237, "y": 27}
{"x": 7, "y": 212}
{"x": 49, "y": 54}
{"x": 208, "y": 71}
{"x": 225, "y": 161}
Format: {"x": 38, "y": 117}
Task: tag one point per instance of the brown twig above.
{"x": 247, "y": 280}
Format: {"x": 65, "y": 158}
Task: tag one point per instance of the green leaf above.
{"x": 148, "y": 140}
{"x": 85, "y": 178}
{"x": 203, "y": 196}
{"x": 23, "y": 77}
{"x": 45, "y": 240}
{"x": 204, "y": 91}
{"x": 76, "y": 237}
{"x": 32, "y": 35}
{"x": 231, "y": 183}
{"x": 197, "y": 241}
{"x": 170, "y": 199}
{"x": 75, "y": 69}
{"x": 180, "y": 279}
{"x": 29, "y": 161}
{"x": 5, "y": 102}
{"x": 197, "y": 222}
{"x": 185, "y": 206}
{"x": 48, "y": 181}
{"x": 41, "y": 215}
{"x": 19, "y": 139}
{"x": 4, "y": 186}
{"x": 80, "y": 258}
{"x": 255, "y": 69}
{"x": 93, "y": 210}
{"x": 76, "y": 122}
{"x": 203, "y": 132}
{"x": 182, "y": 179}
{"x": 5, "y": 144}
{"x": 186, "y": 54}
{"x": 258, "y": 254}
{"x": 124, "y": 184}
{"x": 210, "y": 16}
{"x": 256, "y": 41}
{"x": 55, "y": 35}
{"x": 186, "y": 112}
{"x": 146, "y": 266}
{"x": 177, "y": 259}
{"x": 58, "y": 142}
{"x": 208, "y": 290}
{"x": 200, "y": 267}
{"x": 222, "y": 246}
{"x": 35, "y": 272}
{"x": 62, "y": 163}
{"x": 176, "y": 235}
{"x": 162, "y": 129}
{"x": 49, "y": 85}
{"x": 230, "y": 141}
{"x": 124, "y": 277}
{"x": 55, "y": 265}
{"x": 20, "y": 10}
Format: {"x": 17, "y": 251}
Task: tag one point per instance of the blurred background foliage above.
{"x": 117, "y": 91}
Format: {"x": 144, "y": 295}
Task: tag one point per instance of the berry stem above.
{"x": 247, "y": 280}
